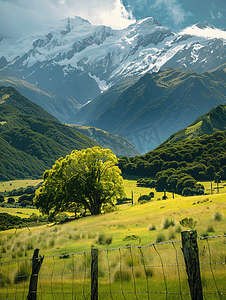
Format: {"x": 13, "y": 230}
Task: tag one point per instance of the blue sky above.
{"x": 178, "y": 14}
{"x": 19, "y": 18}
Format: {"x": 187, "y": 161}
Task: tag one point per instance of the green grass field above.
{"x": 16, "y": 184}
{"x": 128, "y": 225}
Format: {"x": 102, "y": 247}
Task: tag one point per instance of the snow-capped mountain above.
{"x": 82, "y": 60}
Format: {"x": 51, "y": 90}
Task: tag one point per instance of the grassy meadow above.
{"x": 137, "y": 225}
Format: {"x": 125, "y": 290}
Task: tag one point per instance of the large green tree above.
{"x": 88, "y": 178}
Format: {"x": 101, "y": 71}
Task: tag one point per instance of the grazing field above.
{"x": 137, "y": 225}
{"x": 16, "y": 184}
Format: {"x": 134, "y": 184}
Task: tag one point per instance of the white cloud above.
{"x": 173, "y": 8}
{"x": 118, "y": 18}
{"x": 19, "y": 18}
{"x": 219, "y": 15}
{"x": 206, "y": 32}
{"x": 212, "y": 15}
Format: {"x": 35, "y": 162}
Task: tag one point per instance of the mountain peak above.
{"x": 149, "y": 21}
{"x": 204, "y": 25}
{"x": 80, "y": 19}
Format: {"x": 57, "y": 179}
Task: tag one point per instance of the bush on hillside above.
{"x": 144, "y": 198}
{"x": 1, "y": 199}
{"x": 11, "y": 200}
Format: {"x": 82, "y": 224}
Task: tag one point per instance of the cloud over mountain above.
{"x": 19, "y": 18}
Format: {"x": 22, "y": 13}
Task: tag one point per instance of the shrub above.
{"x": 4, "y": 280}
{"x": 30, "y": 246}
{"x": 167, "y": 223}
{"x": 11, "y": 200}
{"x": 51, "y": 243}
{"x": 217, "y": 216}
{"x": 187, "y": 191}
{"x": 91, "y": 235}
{"x": 160, "y": 238}
{"x": 178, "y": 229}
{"x": 3, "y": 250}
{"x": 104, "y": 240}
{"x": 144, "y": 198}
{"x": 151, "y": 194}
{"x": 151, "y": 227}
{"x": 77, "y": 236}
{"x": 108, "y": 208}
{"x": 172, "y": 235}
{"x": 138, "y": 274}
{"x": 20, "y": 253}
{"x": 122, "y": 275}
{"x": 61, "y": 218}
{"x": 149, "y": 272}
{"x": 132, "y": 261}
{"x": 23, "y": 273}
{"x": 210, "y": 228}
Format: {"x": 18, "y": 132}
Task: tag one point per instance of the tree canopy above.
{"x": 87, "y": 178}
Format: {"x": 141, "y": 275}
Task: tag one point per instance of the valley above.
{"x": 118, "y": 136}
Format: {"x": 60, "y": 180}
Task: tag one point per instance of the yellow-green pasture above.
{"x": 20, "y": 212}
{"x": 16, "y": 184}
{"x": 131, "y": 188}
{"x": 128, "y": 225}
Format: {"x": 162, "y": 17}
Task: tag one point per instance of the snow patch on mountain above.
{"x": 207, "y": 31}
{"x": 101, "y": 83}
{"x": 75, "y": 52}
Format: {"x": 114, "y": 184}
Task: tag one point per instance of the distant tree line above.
{"x": 177, "y": 167}
{"x": 25, "y": 199}
{"x": 8, "y": 221}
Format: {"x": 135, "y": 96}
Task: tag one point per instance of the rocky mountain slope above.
{"x": 79, "y": 60}
{"x": 157, "y": 105}
{"x": 118, "y": 144}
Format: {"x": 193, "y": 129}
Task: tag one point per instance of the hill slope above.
{"x": 209, "y": 123}
{"x": 169, "y": 100}
{"x": 118, "y": 144}
{"x": 178, "y": 165}
{"x": 31, "y": 139}
{"x": 63, "y": 108}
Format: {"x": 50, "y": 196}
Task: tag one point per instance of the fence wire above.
{"x": 155, "y": 271}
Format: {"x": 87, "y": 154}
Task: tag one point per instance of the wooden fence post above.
{"x": 36, "y": 265}
{"x": 191, "y": 257}
{"x": 94, "y": 273}
{"x": 132, "y": 196}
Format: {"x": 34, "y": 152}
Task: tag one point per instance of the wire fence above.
{"x": 155, "y": 271}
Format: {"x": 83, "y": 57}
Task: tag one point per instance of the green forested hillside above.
{"x": 179, "y": 165}
{"x": 209, "y": 123}
{"x": 30, "y": 138}
{"x": 63, "y": 107}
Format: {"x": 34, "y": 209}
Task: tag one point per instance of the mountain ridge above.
{"x": 214, "y": 120}
{"x": 170, "y": 100}
{"x": 75, "y": 54}
{"x": 63, "y": 108}
{"x": 31, "y": 139}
